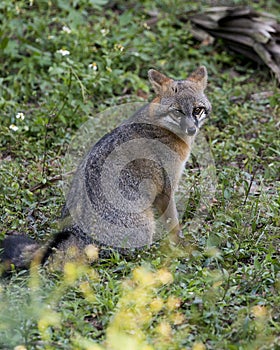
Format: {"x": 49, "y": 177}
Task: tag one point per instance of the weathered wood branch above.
{"x": 255, "y": 35}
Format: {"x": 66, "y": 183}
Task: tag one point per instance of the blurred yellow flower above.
{"x": 91, "y": 252}
{"x": 198, "y": 346}
{"x": 143, "y": 277}
{"x": 70, "y": 272}
{"x": 164, "y": 329}
{"x": 87, "y": 291}
{"x": 173, "y": 303}
{"x": 49, "y": 319}
{"x": 164, "y": 276}
{"x": 156, "y": 305}
{"x": 177, "y": 318}
{"x": 259, "y": 311}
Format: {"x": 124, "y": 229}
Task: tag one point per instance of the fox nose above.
{"x": 188, "y": 125}
{"x": 191, "y": 130}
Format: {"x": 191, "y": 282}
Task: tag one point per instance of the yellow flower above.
{"x": 156, "y": 305}
{"x": 173, "y": 303}
{"x": 259, "y": 311}
{"x": 91, "y": 252}
{"x": 49, "y": 319}
{"x": 164, "y": 329}
{"x": 177, "y": 318}
{"x": 70, "y": 272}
{"x": 164, "y": 276}
{"x": 87, "y": 291}
{"x": 143, "y": 276}
{"x": 198, "y": 346}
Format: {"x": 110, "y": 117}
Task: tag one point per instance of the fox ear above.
{"x": 158, "y": 80}
{"x": 199, "y": 76}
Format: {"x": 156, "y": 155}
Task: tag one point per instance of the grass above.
{"x": 224, "y": 293}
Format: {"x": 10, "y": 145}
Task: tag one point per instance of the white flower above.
{"x": 13, "y": 127}
{"x": 104, "y": 32}
{"x": 20, "y": 116}
{"x": 146, "y": 26}
{"x": 63, "y": 52}
{"x": 66, "y": 29}
{"x": 119, "y": 47}
{"x": 93, "y": 66}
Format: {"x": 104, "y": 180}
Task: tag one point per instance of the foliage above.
{"x": 64, "y": 61}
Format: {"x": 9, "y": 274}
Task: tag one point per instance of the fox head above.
{"x": 186, "y": 104}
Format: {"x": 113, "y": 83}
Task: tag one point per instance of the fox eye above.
{"x": 178, "y": 112}
{"x": 197, "y": 111}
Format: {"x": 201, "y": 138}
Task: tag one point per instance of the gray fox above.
{"x": 127, "y": 181}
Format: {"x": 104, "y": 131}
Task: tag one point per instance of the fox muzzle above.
{"x": 188, "y": 125}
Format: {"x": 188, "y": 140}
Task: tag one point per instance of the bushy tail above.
{"x": 18, "y": 252}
